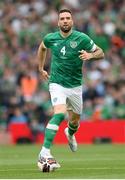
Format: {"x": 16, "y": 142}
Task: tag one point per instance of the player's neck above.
{"x": 64, "y": 35}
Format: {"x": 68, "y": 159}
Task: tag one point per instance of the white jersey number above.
{"x": 63, "y": 50}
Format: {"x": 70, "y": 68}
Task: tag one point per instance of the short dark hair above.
{"x": 65, "y": 10}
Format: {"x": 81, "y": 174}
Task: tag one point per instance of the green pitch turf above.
{"x": 90, "y": 161}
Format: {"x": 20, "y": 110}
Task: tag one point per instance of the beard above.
{"x": 65, "y": 29}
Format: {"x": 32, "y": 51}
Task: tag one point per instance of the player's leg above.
{"x": 75, "y": 106}
{"x": 52, "y": 127}
{"x": 50, "y": 132}
{"x": 58, "y": 99}
{"x": 73, "y": 123}
{"x": 72, "y": 128}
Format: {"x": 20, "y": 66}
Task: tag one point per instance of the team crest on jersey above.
{"x": 73, "y": 44}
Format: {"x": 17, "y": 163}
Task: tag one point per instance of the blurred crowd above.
{"x": 24, "y": 96}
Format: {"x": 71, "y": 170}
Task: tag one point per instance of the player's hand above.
{"x": 85, "y": 55}
{"x": 44, "y": 75}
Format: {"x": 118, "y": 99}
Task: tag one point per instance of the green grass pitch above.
{"x": 102, "y": 161}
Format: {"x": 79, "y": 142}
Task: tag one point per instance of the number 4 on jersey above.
{"x": 63, "y": 50}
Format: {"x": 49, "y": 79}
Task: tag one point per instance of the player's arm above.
{"x": 96, "y": 54}
{"x": 41, "y": 54}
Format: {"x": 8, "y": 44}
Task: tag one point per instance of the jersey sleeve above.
{"x": 47, "y": 40}
{"x": 88, "y": 44}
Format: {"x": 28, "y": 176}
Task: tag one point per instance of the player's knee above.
{"x": 75, "y": 119}
{"x": 75, "y": 122}
{"x": 61, "y": 108}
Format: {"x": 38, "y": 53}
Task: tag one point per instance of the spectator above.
{"x": 21, "y": 24}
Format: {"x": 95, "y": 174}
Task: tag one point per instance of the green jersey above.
{"x": 66, "y": 66}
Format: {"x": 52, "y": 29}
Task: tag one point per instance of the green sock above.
{"x": 49, "y": 136}
{"x": 52, "y": 129}
{"x": 72, "y": 128}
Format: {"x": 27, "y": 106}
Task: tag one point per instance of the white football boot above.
{"x": 71, "y": 140}
{"x": 47, "y": 164}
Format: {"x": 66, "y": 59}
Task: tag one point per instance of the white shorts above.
{"x": 72, "y": 97}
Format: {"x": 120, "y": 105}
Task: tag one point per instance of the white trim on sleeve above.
{"x": 93, "y": 48}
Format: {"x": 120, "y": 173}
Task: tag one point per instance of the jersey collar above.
{"x": 65, "y": 36}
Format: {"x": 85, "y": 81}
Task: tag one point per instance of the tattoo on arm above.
{"x": 98, "y": 53}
